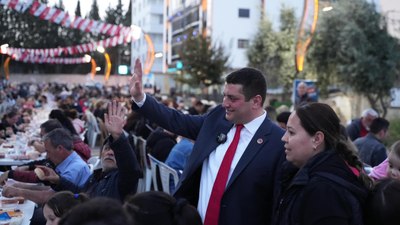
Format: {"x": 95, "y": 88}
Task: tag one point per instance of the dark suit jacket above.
{"x": 249, "y": 195}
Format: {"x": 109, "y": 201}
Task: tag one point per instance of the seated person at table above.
{"x": 25, "y": 173}
{"x": 120, "y": 171}
{"x": 68, "y": 164}
{"x": 79, "y": 146}
{"x": 85, "y": 151}
{"x": 60, "y": 204}
{"x": 8, "y": 124}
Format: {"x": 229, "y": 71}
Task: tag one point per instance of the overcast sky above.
{"x": 70, "y": 5}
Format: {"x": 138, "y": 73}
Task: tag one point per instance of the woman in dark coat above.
{"x": 323, "y": 182}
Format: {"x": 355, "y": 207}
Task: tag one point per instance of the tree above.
{"x": 286, "y": 49}
{"x": 352, "y": 47}
{"x": 94, "y": 11}
{"x": 115, "y": 16}
{"x": 78, "y": 9}
{"x": 202, "y": 61}
{"x": 128, "y": 15}
{"x": 272, "y": 52}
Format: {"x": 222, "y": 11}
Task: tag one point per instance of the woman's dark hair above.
{"x": 383, "y": 204}
{"x": 71, "y": 113}
{"x": 159, "y": 208}
{"x": 50, "y": 125}
{"x": 62, "y": 202}
{"x": 97, "y": 211}
{"x": 60, "y": 116}
{"x": 316, "y": 117}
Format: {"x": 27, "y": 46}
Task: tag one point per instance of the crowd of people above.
{"x": 238, "y": 164}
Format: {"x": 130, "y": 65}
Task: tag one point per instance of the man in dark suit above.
{"x": 247, "y": 195}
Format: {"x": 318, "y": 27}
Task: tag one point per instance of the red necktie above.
{"x": 214, "y": 203}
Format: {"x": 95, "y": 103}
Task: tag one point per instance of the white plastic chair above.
{"x": 165, "y": 174}
{"x": 145, "y": 182}
{"x": 94, "y": 163}
{"x": 93, "y": 129}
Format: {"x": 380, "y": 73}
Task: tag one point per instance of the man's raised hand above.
{"x": 136, "y": 83}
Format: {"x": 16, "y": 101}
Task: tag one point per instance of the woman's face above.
{"x": 48, "y": 213}
{"x": 393, "y": 166}
{"x": 299, "y": 147}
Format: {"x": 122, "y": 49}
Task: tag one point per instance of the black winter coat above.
{"x": 324, "y": 192}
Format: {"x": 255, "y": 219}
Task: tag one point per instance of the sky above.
{"x": 70, "y": 5}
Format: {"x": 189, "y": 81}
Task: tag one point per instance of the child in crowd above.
{"x": 383, "y": 204}
{"x": 60, "y": 204}
{"x": 159, "y": 208}
{"x": 390, "y": 168}
{"x": 96, "y": 211}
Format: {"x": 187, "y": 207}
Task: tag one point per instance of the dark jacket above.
{"x": 371, "y": 150}
{"x": 354, "y": 129}
{"x": 117, "y": 183}
{"x": 323, "y": 192}
{"x": 159, "y": 144}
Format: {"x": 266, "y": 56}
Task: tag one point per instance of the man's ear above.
{"x": 257, "y": 100}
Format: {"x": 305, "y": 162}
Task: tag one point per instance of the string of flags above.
{"x": 118, "y": 34}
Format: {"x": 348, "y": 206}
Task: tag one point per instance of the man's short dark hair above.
{"x": 60, "y": 136}
{"x": 283, "y": 117}
{"x": 252, "y": 80}
{"x": 379, "y": 124}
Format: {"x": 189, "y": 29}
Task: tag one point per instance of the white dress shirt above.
{"x": 212, "y": 163}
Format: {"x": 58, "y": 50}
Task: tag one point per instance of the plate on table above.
{"x": 11, "y": 217}
{"x": 10, "y": 214}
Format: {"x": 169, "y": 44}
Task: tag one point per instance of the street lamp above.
{"x": 4, "y": 51}
{"x": 327, "y": 8}
{"x": 108, "y": 65}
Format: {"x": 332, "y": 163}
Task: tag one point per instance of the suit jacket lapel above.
{"x": 207, "y": 146}
{"x": 257, "y": 143}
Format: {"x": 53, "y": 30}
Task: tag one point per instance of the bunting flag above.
{"x": 54, "y": 15}
{"x": 70, "y": 50}
{"x": 40, "y": 60}
{"x": 119, "y": 34}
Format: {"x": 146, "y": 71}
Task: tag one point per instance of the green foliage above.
{"x": 272, "y": 52}
{"x": 202, "y": 61}
{"x": 94, "y": 11}
{"x": 394, "y": 132}
{"x": 78, "y": 9}
{"x": 352, "y": 47}
{"x": 128, "y": 15}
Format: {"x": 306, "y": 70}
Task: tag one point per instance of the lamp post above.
{"x": 108, "y": 65}
{"x": 3, "y": 51}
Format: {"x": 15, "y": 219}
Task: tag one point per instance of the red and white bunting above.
{"x": 58, "y": 16}
{"x": 119, "y": 34}
{"x": 70, "y": 50}
{"x": 38, "y": 59}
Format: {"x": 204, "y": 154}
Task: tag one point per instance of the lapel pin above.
{"x": 260, "y": 141}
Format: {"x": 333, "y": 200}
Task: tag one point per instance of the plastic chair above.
{"x": 94, "y": 163}
{"x": 93, "y": 129}
{"x": 165, "y": 173}
{"x": 102, "y": 129}
{"x": 145, "y": 182}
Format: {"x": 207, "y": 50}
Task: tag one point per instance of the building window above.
{"x": 243, "y": 43}
{"x": 244, "y": 13}
{"x": 160, "y": 19}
